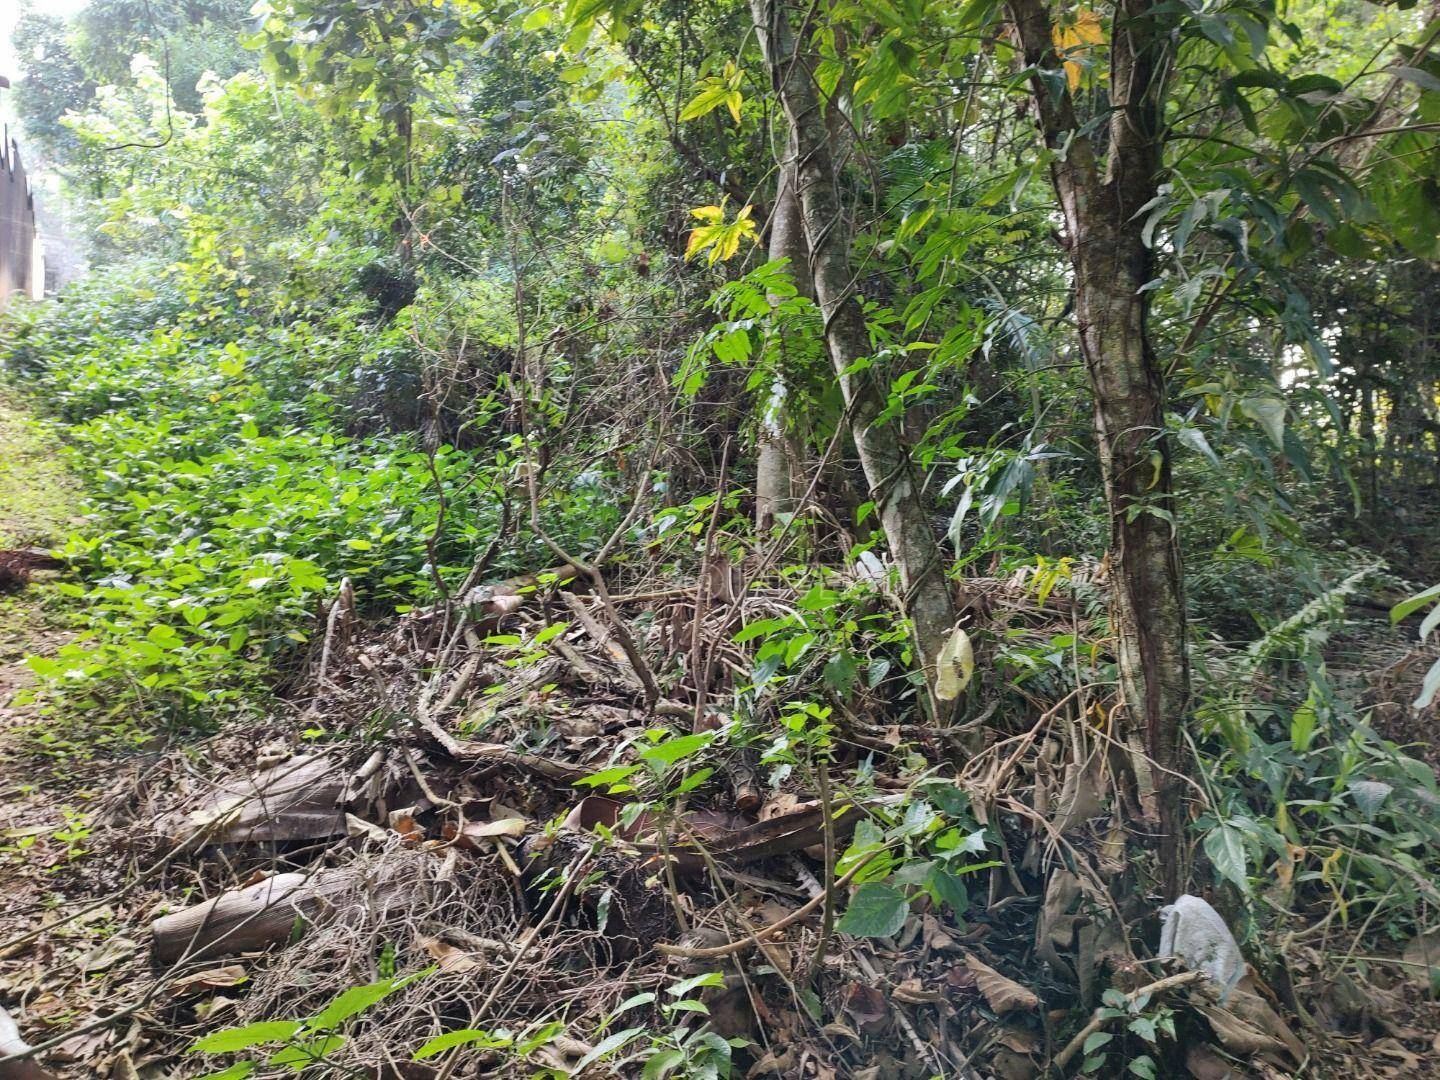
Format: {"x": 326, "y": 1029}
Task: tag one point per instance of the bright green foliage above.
{"x": 300, "y": 1044}
{"x": 224, "y": 512}
{"x": 37, "y": 493}
{"x": 1431, "y": 685}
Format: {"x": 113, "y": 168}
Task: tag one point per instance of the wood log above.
{"x": 299, "y": 799}
{"x": 243, "y": 919}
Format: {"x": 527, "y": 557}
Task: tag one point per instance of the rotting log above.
{"x": 300, "y": 799}
{"x": 720, "y": 838}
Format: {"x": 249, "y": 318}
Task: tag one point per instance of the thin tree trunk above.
{"x": 775, "y": 452}
{"x": 1111, "y": 263}
{"x": 889, "y": 472}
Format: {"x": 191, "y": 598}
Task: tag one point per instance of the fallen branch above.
{"x": 466, "y": 750}
{"x": 1170, "y": 982}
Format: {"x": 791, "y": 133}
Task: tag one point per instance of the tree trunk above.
{"x": 775, "y": 451}
{"x": 889, "y": 472}
{"x": 1111, "y": 263}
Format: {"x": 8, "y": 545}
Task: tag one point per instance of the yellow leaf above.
{"x": 699, "y": 240}
{"x": 722, "y": 240}
{"x": 1074, "y": 41}
{"x": 954, "y": 666}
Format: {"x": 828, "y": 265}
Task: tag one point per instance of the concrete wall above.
{"x": 18, "y": 254}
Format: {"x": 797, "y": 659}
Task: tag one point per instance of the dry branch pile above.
{"x": 438, "y": 824}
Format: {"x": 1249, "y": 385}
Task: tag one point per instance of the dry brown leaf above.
{"x": 475, "y": 831}
{"x": 913, "y": 993}
{"x": 1205, "y": 1064}
{"x": 1021, "y": 1040}
{"x": 448, "y": 956}
{"x": 109, "y": 953}
{"x": 866, "y": 1006}
{"x": 402, "y": 821}
{"x": 1008, "y": 1065}
{"x": 779, "y": 805}
{"x": 355, "y": 826}
{"x": 1003, "y": 994}
{"x": 1395, "y": 1049}
{"x": 1238, "y": 1036}
{"x": 210, "y": 979}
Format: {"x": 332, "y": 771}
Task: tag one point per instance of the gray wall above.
{"x": 17, "y": 222}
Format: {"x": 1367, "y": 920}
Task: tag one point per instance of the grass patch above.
{"x": 38, "y": 494}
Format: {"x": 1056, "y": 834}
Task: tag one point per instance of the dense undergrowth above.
{"x": 225, "y": 503}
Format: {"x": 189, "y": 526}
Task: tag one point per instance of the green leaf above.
{"x": 1302, "y": 725}
{"x": 1269, "y": 413}
{"x": 551, "y": 632}
{"x": 239, "y": 1071}
{"x": 1143, "y": 1067}
{"x": 463, "y": 1037}
{"x": 612, "y": 775}
{"x": 359, "y": 998}
{"x": 1414, "y": 604}
{"x": 309, "y": 1052}
{"x": 1430, "y": 622}
{"x": 876, "y": 910}
{"x": 949, "y": 888}
{"x": 242, "y": 1038}
{"x": 634, "y": 1002}
{"x": 1418, "y": 76}
{"x": 710, "y": 978}
{"x": 606, "y": 1047}
{"x": 1144, "y": 1027}
{"x": 665, "y": 754}
{"x": 706, "y": 101}
{"x": 1225, "y": 847}
{"x": 661, "y": 1064}
{"x": 818, "y": 599}
{"x": 1429, "y": 688}
{"x": 1096, "y": 1040}
{"x": 1195, "y": 439}
{"x": 688, "y": 1005}
{"x": 1370, "y": 795}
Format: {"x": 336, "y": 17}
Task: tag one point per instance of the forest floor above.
{"x": 41, "y": 799}
{"x": 434, "y": 847}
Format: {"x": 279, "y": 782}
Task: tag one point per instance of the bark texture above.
{"x": 889, "y": 471}
{"x": 1102, "y": 181}
{"x": 775, "y": 456}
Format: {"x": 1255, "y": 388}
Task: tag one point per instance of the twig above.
{"x": 1170, "y": 982}
{"x": 827, "y": 926}
{"x": 795, "y": 916}
{"x": 572, "y": 878}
